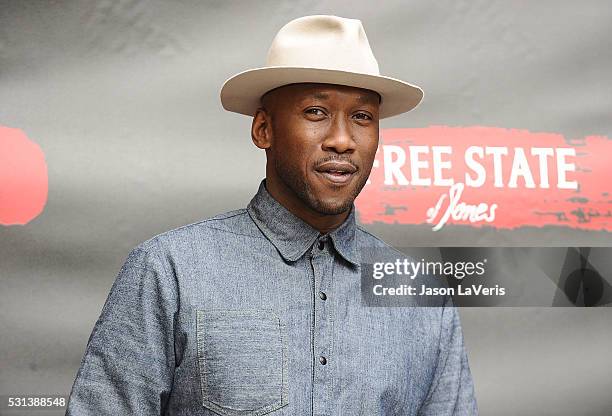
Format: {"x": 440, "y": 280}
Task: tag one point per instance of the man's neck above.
{"x": 321, "y": 222}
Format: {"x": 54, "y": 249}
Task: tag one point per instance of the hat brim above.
{"x": 242, "y": 92}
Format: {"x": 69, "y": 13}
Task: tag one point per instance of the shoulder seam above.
{"x": 380, "y": 240}
{"x": 218, "y": 217}
{"x": 236, "y": 213}
{"x": 371, "y": 235}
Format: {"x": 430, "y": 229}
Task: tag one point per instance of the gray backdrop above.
{"x": 122, "y": 96}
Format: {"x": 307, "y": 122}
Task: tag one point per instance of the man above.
{"x": 257, "y": 311}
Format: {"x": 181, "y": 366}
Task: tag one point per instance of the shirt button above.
{"x": 321, "y": 244}
{"x": 322, "y": 360}
{"x": 322, "y": 295}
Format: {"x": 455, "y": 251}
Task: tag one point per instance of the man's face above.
{"x": 322, "y": 143}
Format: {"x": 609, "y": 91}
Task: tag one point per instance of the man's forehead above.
{"x": 325, "y": 92}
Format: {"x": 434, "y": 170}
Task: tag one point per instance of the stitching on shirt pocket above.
{"x": 242, "y": 361}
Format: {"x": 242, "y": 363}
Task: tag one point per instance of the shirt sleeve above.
{"x": 452, "y": 388}
{"x": 128, "y": 366}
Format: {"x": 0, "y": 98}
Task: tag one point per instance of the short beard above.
{"x": 302, "y": 190}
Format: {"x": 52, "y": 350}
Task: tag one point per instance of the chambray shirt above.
{"x": 253, "y": 312}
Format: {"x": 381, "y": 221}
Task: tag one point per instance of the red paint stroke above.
{"x": 588, "y": 206}
{"x": 23, "y": 178}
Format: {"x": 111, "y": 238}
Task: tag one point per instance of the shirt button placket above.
{"x": 322, "y": 268}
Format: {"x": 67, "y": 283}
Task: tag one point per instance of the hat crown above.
{"x": 328, "y": 42}
{"x": 319, "y": 49}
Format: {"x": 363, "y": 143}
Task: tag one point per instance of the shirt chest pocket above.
{"x": 242, "y": 361}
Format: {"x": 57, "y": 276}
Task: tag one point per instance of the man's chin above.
{"x": 331, "y": 206}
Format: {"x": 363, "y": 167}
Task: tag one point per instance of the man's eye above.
{"x": 363, "y": 116}
{"x": 315, "y": 111}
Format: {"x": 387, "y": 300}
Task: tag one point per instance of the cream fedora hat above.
{"x": 321, "y": 49}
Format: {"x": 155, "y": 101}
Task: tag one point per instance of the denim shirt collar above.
{"x": 291, "y": 236}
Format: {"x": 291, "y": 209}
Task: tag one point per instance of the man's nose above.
{"x": 339, "y": 137}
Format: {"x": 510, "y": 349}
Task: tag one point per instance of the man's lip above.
{"x": 336, "y": 178}
{"x": 334, "y": 166}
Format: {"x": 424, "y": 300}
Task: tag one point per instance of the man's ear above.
{"x": 261, "y": 129}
